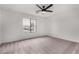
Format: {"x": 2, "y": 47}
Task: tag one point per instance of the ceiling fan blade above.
{"x": 38, "y": 6}
{"x": 49, "y": 11}
{"x": 49, "y": 6}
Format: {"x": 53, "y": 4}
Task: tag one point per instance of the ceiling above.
{"x": 24, "y": 8}
{"x": 58, "y": 9}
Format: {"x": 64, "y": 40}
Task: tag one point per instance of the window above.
{"x": 29, "y": 25}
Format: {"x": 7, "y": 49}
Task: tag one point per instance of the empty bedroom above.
{"x": 39, "y": 28}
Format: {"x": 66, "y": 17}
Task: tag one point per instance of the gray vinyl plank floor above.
{"x": 42, "y": 45}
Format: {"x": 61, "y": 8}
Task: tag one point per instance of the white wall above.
{"x": 65, "y": 22}
{"x": 13, "y": 29}
{"x": 0, "y": 27}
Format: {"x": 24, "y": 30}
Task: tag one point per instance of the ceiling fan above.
{"x": 44, "y": 8}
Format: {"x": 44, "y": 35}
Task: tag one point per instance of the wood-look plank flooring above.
{"x": 43, "y": 45}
